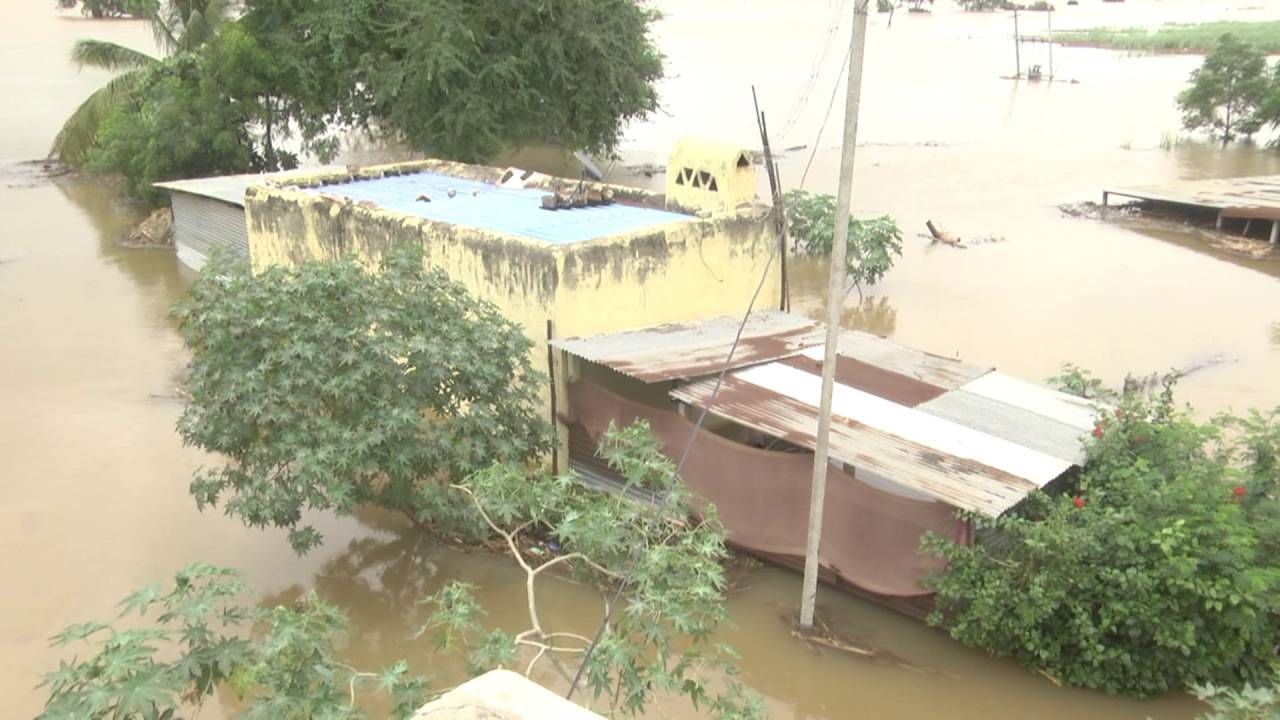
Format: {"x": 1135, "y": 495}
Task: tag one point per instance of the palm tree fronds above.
{"x": 108, "y": 55}
{"x": 80, "y": 131}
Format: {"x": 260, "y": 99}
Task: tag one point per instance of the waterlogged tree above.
{"x": 668, "y": 561}
{"x": 1157, "y": 570}
{"x": 196, "y": 637}
{"x": 1227, "y": 91}
{"x": 177, "y": 26}
{"x": 330, "y": 386}
{"x": 872, "y": 245}
{"x": 1075, "y": 380}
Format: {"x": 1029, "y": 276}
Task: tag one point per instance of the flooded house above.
{"x": 559, "y": 256}
{"x": 915, "y": 438}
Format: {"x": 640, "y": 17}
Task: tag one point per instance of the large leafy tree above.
{"x": 330, "y": 386}
{"x": 1227, "y": 91}
{"x": 1158, "y": 571}
{"x": 193, "y": 114}
{"x": 461, "y": 79}
{"x": 177, "y": 25}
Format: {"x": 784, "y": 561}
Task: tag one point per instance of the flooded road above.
{"x": 94, "y": 497}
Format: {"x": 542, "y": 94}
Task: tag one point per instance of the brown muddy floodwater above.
{"x": 93, "y": 498}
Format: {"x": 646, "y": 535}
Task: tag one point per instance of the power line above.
{"x": 815, "y": 71}
{"x": 702, "y": 416}
{"x": 826, "y": 116}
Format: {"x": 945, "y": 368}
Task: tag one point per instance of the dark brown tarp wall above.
{"x": 870, "y": 538}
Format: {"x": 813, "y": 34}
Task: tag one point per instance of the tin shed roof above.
{"x": 964, "y": 434}
{"x": 681, "y": 351}
{"x": 959, "y": 464}
{"x": 508, "y": 210}
{"x": 228, "y": 188}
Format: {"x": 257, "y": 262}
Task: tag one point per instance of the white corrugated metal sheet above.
{"x": 1014, "y": 424}
{"x": 695, "y": 349}
{"x": 1068, "y": 409}
{"x": 202, "y": 224}
{"x": 908, "y": 423}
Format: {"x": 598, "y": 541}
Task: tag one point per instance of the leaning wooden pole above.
{"x": 835, "y": 302}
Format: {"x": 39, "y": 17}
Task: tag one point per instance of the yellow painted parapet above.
{"x": 710, "y": 176}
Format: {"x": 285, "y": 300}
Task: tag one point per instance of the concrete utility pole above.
{"x": 835, "y": 302}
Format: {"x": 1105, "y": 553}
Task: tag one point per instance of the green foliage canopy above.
{"x": 1156, "y": 572}
{"x": 872, "y": 245}
{"x": 329, "y": 386}
{"x": 452, "y": 78}
{"x": 659, "y": 641}
{"x": 1227, "y": 91}
{"x": 192, "y": 644}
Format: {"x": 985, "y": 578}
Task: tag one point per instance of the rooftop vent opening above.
{"x": 743, "y": 161}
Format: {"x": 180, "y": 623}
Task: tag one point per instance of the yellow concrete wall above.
{"x": 679, "y": 271}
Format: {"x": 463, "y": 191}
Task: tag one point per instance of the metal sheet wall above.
{"x": 202, "y": 224}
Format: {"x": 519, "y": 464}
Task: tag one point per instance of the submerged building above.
{"x": 559, "y": 256}
{"x": 915, "y": 437}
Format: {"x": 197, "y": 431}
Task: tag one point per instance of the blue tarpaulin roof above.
{"x": 490, "y": 207}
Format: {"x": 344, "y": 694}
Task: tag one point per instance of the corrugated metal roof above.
{"x": 908, "y": 423}
{"x": 944, "y": 372}
{"x": 1067, "y": 409}
{"x": 230, "y": 188}
{"x": 1012, "y": 423}
{"x": 957, "y": 481}
{"x": 512, "y": 211}
{"x": 961, "y": 433}
{"x": 681, "y": 351}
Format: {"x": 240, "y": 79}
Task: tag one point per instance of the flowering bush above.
{"x": 1157, "y": 569}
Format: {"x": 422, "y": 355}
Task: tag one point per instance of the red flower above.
{"x": 1097, "y": 431}
{"x": 1239, "y": 491}
{"x": 1077, "y": 501}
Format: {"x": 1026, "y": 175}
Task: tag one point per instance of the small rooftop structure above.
{"x": 208, "y": 215}
{"x": 1243, "y": 198}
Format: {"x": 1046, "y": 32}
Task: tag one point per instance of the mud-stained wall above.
{"x": 682, "y": 271}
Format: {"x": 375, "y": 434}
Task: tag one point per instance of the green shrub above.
{"x": 1155, "y": 570}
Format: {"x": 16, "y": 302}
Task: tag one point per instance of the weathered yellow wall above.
{"x": 729, "y": 165}
{"x": 680, "y": 271}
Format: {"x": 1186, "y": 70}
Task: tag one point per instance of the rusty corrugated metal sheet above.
{"x": 683, "y": 351}
{"x": 937, "y": 370}
{"x": 957, "y": 481}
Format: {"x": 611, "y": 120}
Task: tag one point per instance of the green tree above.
{"x": 461, "y": 79}
{"x": 1226, "y": 91}
{"x": 872, "y": 246}
{"x": 660, "y": 639}
{"x": 177, "y": 25}
{"x": 1248, "y": 703}
{"x": 288, "y": 671}
{"x": 1153, "y": 573}
{"x": 193, "y": 114}
{"x": 329, "y": 386}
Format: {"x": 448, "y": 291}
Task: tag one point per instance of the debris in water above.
{"x": 423, "y": 198}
